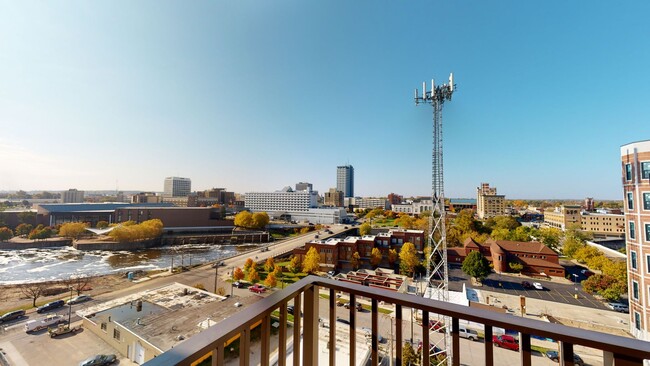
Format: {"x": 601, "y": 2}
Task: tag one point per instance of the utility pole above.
{"x": 436, "y": 260}
{"x": 70, "y": 307}
{"x": 216, "y": 277}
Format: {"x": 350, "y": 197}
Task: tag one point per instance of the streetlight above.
{"x": 575, "y": 281}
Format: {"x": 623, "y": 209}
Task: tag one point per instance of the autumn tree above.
{"x": 550, "y": 237}
{"x": 260, "y": 220}
{"x": 375, "y": 257}
{"x": 392, "y": 256}
{"x": 244, "y": 219}
{"x": 355, "y": 261}
{"x": 6, "y": 233}
{"x": 271, "y": 280}
{"x": 571, "y": 246}
{"x": 129, "y": 231}
{"x": 365, "y": 229}
{"x": 40, "y": 232}
{"x": 23, "y": 229}
{"x": 295, "y": 265}
{"x": 78, "y": 283}
{"x": 238, "y": 274}
{"x": 408, "y": 258}
{"x": 311, "y": 263}
{"x": 405, "y": 221}
{"x": 248, "y": 264}
{"x": 72, "y": 230}
{"x": 269, "y": 265}
{"x": 253, "y": 276}
{"x": 32, "y": 291}
{"x": 409, "y": 357}
{"x": 476, "y": 265}
{"x": 305, "y": 230}
{"x": 102, "y": 224}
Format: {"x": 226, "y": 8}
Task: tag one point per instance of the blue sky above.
{"x": 256, "y": 95}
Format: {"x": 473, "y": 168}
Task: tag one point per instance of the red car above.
{"x": 506, "y": 341}
{"x": 257, "y": 288}
{"x": 436, "y": 325}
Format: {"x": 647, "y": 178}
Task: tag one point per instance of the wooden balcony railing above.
{"x": 616, "y": 350}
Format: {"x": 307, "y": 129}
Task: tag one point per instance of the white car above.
{"x": 538, "y": 286}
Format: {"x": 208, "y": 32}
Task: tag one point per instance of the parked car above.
{"x": 331, "y": 273}
{"x": 62, "y": 329}
{"x": 12, "y": 315}
{"x": 238, "y": 284}
{"x": 79, "y": 299}
{"x": 468, "y": 333}
{"x": 257, "y": 288}
{"x": 436, "y": 325}
{"x": 341, "y": 320}
{"x": 538, "y": 286}
{"x": 98, "y": 360}
{"x": 433, "y": 349}
{"x": 555, "y": 357}
{"x": 616, "y": 306}
{"x": 218, "y": 264}
{"x": 50, "y": 306}
{"x": 506, "y": 341}
{"x": 264, "y": 249}
{"x": 368, "y": 334}
{"x": 526, "y": 285}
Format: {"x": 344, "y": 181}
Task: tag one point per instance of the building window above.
{"x": 647, "y": 232}
{"x": 632, "y": 230}
{"x": 646, "y": 200}
{"x": 103, "y": 325}
{"x": 635, "y": 290}
{"x": 637, "y": 321}
{"x": 630, "y": 201}
{"x": 645, "y": 170}
{"x": 633, "y": 259}
{"x": 647, "y": 262}
{"x": 116, "y": 334}
{"x": 628, "y": 172}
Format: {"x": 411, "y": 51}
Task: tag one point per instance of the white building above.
{"x": 333, "y": 215}
{"x": 177, "y": 187}
{"x": 72, "y": 196}
{"x": 284, "y": 200}
{"x": 413, "y": 208}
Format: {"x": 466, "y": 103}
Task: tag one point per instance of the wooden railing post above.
{"x": 310, "y": 329}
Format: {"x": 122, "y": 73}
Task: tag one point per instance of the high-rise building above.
{"x": 635, "y": 169}
{"x": 177, "y": 187}
{"x": 345, "y": 180}
{"x": 488, "y": 202}
{"x": 283, "y": 200}
{"x": 72, "y": 196}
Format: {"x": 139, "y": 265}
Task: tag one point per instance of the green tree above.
{"x": 260, "y": 220}
{"x": 311, "y": 263}
{"x": 515, "y": 267}
{"x": 355, "y": 261}
{"x": 295, "y": 265}
{"x": 408, "y": 258}
{"x": 571, "y": 246}
{"x": 102, "y": 224}
{"x": 6, "y": 233}
{"x": 365, "y": 229}
{"x": 405, "y": 221}
{"x": 72, "y": 230}
{"x": 244, "y": 219}
{"x": 476, "y": 265}
{"x": 23, "y": 229}
{"x": 238, "y": 274}
{"x": 585, "y": 253}
{"x": 27, "y": 217}
{"x": 409, "y": 357}
{"x": 550, "y": 237}
{"x": 375, "y": 257}
{"x": 253, "y": 276}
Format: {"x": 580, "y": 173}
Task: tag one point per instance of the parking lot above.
{"x": 511, "y": 285}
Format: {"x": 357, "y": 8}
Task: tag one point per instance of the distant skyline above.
{"x": 255, "y": 96}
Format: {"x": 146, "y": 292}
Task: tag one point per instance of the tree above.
{"x": 72, "y": 230}
{"x": 32, "y": 291}
{"x": 586, "y": 253}
{"x": 253, "y": 276}
{"x": 40, "y": 232}
{"x": 365, "y": 229}
{"x": 606, "y": 286}
{"x": 6, "y": 233}
{"x": 571, "y": 246}
{"x": 249, "y": 264}
{"x": 260, "y": 220}
{"x": 270, "y": 280}
{"x": 550, "y": 237}
{"x": 355, "y": 261}
{"x": 244, "y": 219}
{"x": 405, "y": 221}
{"x": 409, "y": 357}
{"x": 27, "y": 217}
{"x": 311, "y": 263}
{"x": 515, "y": 267}
{"x": 102, "y": 224}
{"x": 375, "y": 257}
{"x": 23, "y": 229}
{"x": 221, "y": 291}
{"x": 392, "y": 256}
{"x": 408, "y": 258}
{"x": 238, "y": 274}
{"x": 78, "y": 284}
{"x": 476, "y": 265}
{"x": 295, "y": 265}
{"x": 269, "y": 265}
{"x": 305, "y": 230}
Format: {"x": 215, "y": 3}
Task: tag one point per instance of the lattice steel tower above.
{"x": 436, "y": 255}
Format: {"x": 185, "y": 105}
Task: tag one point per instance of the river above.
{"x": 47, "y": 264}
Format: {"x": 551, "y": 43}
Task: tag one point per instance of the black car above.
{"x": 290, "y": 309}
{"x": 99, "y": 360}
{"x": 51, "y": 305}
{"x": 12, "y": 315}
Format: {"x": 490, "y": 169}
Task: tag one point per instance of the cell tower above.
{"x": 436, "y": 255}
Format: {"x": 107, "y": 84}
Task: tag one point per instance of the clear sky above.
{"x": 257, "y": 95}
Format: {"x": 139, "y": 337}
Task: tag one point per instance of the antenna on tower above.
{"x": 436, "y": 255}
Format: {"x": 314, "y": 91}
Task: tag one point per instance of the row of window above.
{"x": 632, "y": 231}
{"x": 634, "y": 261}
{"x": 645, "y": 170}
{"x": 646, "y": 201}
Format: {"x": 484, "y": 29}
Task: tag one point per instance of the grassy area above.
{"x": 364, "y": 306}
{"x": 385, "y": 222}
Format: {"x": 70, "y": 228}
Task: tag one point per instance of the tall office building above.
{"x": 72, "y": 196}
{"x": 345, "y": 180}
{"x": 177, "y": 187}
{"x": 635, "y": 164}
{"x": 488, "y": 202}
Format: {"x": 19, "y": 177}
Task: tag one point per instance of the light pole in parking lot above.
{"x": 575, "y": 281}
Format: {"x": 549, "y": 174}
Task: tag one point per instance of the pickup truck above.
{"x": 63, "y": 329}
{"x": 43, "y": 323}
{"x": 257, "y": 288}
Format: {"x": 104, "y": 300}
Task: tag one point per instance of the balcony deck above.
{"x": 616, "y": 350}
